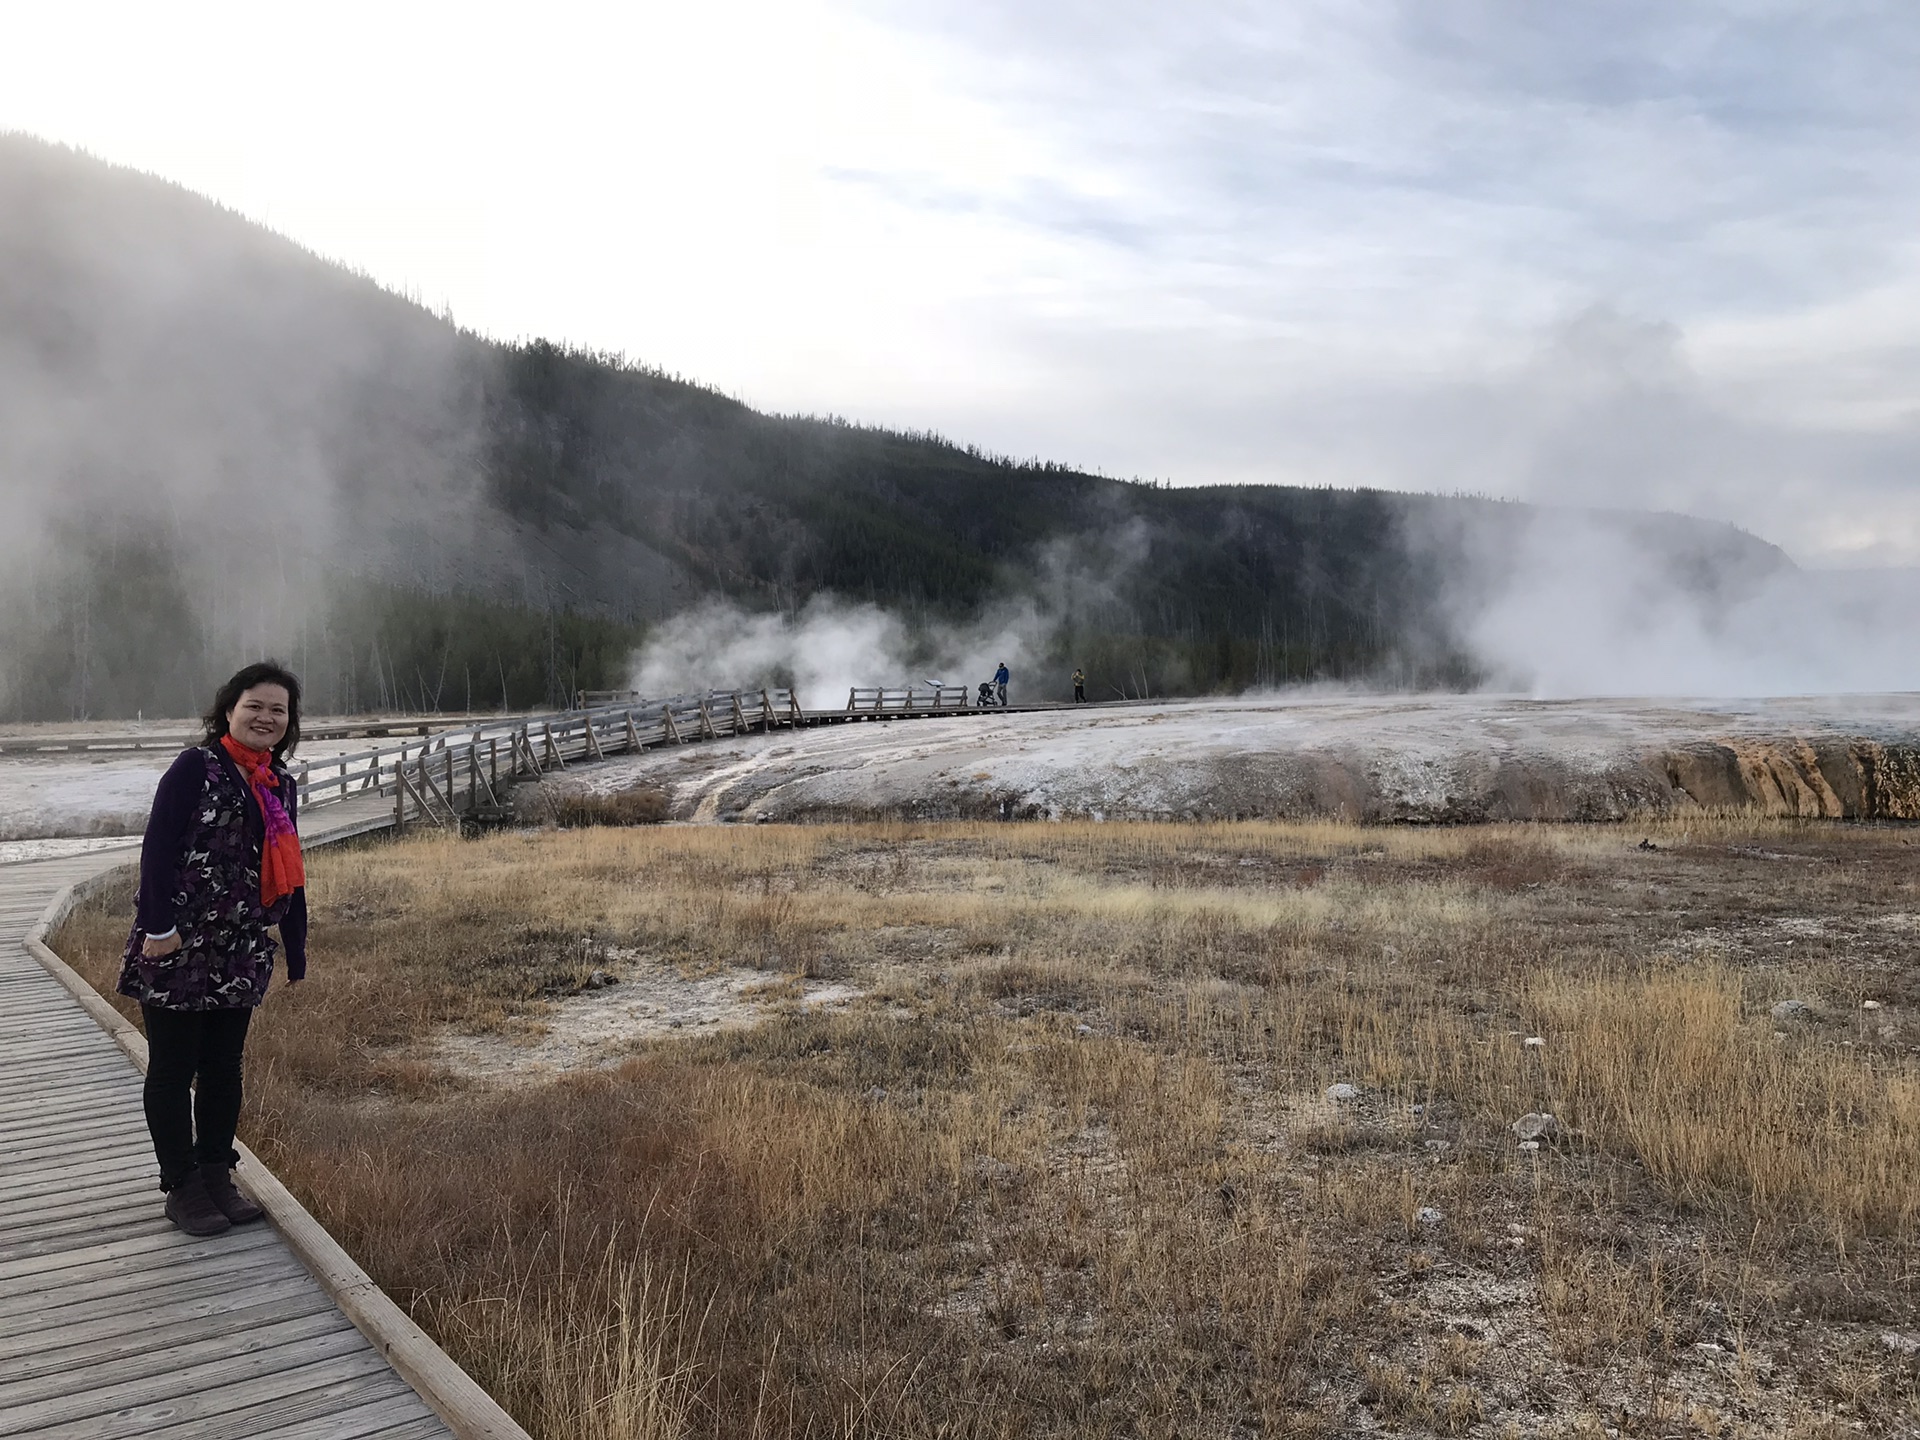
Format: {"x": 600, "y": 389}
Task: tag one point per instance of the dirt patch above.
{"x": 634, "y": 1001}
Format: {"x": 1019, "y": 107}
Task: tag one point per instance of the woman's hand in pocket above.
{"x": 155, "y": 949}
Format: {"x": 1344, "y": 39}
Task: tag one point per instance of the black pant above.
{"x": 1079, "y": 694}
{"x": 201, "y": 1049}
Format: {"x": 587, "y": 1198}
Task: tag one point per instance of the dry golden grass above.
{"x": 1069, "y": 1170}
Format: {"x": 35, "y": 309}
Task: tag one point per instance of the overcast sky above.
{"x": 1633, "y": 253}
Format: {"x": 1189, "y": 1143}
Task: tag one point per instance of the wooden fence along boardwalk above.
{"x": 925, "y": 699}
{"x": 468, "y": 771}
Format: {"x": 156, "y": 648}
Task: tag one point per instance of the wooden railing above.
{"x": 55, "y": 742}
{"x": 596, "y": 699}
{"x": 880, "y": 699}
{"x": 468, "y": 771}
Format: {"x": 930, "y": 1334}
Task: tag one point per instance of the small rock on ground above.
{"x": 1792, "y": 1012}
{"x": 1535, "y": 1126}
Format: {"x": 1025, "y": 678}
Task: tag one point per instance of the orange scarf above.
{"x": 282, "y": 870}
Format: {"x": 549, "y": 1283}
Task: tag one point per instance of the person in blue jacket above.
{"x": 1000, "y": 678}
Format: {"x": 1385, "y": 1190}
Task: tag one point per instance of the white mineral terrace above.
{"x": 1377, "y": 758}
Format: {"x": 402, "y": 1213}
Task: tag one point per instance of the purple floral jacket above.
{"x": 200, "y": 870}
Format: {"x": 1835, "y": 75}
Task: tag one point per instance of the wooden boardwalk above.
{"x": 113, "y": 1323}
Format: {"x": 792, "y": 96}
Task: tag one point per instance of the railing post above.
{"x": 399, "y": 797}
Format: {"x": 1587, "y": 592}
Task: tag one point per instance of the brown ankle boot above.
{"x": 191, "y": 1208}
{"x": 238, "y": 1209}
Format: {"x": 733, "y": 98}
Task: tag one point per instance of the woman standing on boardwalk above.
{"x": 220, "y": 865}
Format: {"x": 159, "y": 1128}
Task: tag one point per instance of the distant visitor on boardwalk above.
{"x": 1079, "y": 686}
{"x": 220, "y": 867}
{"x": 1000, "y": 678}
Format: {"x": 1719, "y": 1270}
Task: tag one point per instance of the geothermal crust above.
{"x": 1375, "y": 759}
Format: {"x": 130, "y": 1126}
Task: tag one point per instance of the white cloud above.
{"x": 1327, "y": 242}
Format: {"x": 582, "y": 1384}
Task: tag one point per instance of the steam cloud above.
{"x": 830, "y": 646}
{"x": 1583, "y": 610}
{"x": 1575, "y": 605}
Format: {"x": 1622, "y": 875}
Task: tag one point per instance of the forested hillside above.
{"x": 214, "y": 444}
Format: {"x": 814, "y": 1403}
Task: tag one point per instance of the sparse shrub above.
{"x": 579, "y": 809}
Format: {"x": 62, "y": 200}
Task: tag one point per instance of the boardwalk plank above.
{"x": 96, "y": 1192}
{"x": 23, "y": 1159}
{"x": 127, "y": 1218}
{"x": 21, "y": 1156}
{"x": 80, "y": 1189}
{"x": 75, "y": 1113}
{"x": 18, "y": 1041}
{"x": 200, "y": 1394}
{"x": 126, "y": 1304}
{"x": 91, "y": 1059}
{"x": 368, "y": 1422}
{"x": 81, "y": 1129}
{"x": 14, "y": 1272}
{"x": 279, "y": 1398}
{"x": 58, "y": 1048}
{"x": 110, "y": 1115}
{"x": 426, "y": 1428}
{"x": 70, "y": 1089}
{"x": 33, "y": 996}
{"x": 55, "y": 1283}
{"x": 26, "y": 1034}
{"x": 51, "y": 1179}
{"x": 31, "y": 1128}
{"x": 126, "y": 1354}
{"x": 72, "y": 1093}
{"x": 70, "y": 1118}
{"x": 131, "y": 1378}
{"x": 24, "y": 1008}
{"x": 33, "y": 1020}
{"x": 108, "y": 1065}
{"x": 218, "y": 1300}
{"x": 54, "y": 1006}
{"x": 314, "y": 1415}
{"x": 130, "y": 1290}
{"x": 30, "y": 997}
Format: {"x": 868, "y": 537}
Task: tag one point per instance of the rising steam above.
{"x": 830, "y": 646}
{"x": 1583, "y": 608}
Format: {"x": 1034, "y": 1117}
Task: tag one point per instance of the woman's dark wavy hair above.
{"x": 261, "y": 672}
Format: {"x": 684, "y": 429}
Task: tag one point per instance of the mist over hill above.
{"x": 214, "y": 444}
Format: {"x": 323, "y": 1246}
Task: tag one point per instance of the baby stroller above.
{"x": 986, "y": 696}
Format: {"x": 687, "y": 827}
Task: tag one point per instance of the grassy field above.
{"x": 1069, "y": 1165}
